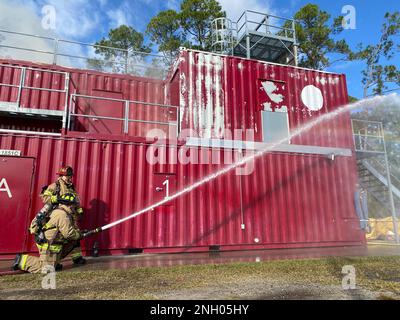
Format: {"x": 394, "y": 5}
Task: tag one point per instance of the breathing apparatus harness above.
{"x": 43, "y": 216}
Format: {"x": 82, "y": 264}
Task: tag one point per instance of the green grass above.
{"x": 377, "y": 274}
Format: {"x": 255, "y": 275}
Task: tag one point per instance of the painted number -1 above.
{"x": 5, "y": 188}
{"x": 166, "y": 184}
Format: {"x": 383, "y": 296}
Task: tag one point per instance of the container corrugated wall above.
{"x": 288, "y": 201}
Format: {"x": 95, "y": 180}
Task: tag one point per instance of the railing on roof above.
{"x": 256, "y": 35}
{"x": 23, "y": 46}
{"x": 368, "y": 136}
{"x": 11, "y": 102}
{"x": 14, "y": 103}
{"x": 253, "y": 21}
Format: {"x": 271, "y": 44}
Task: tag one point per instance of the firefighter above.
{"x": 52, "y": 194}
{"x": 60, "y": 238}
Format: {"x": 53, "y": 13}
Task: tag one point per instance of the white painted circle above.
{"x": 256, "y": 240}
{"x": 312, "y": 98}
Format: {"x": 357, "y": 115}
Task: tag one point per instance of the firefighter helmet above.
{"x": 65, "y": 171}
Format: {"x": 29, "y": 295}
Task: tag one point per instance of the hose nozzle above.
{"x": 91, "y": 232}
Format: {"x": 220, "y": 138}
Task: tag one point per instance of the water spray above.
{"x": 371, "y": 102}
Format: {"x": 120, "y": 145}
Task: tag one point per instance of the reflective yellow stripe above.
{"x": 47, "y": 193}
{"x": 48, "y": 226}
{"x": 76, "y": 255}
{"x": 23, "y": 261}
{"x": 53, "y": 248}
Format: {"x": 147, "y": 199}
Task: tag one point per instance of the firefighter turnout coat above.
{"x": 62, "y": 237}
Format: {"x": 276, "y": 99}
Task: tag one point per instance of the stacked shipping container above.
{"x": 288, "y": 200}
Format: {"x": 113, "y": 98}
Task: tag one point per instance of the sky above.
{"x": 90, "y": 20}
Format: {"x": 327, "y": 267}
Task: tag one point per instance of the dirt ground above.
{"x": 377, "y": 277}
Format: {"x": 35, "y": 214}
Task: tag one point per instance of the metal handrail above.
{"x": 265, "y": 16}
{"x": 126, "y": 59}
{"x": 21, "y": 86}
{"x": 126, "y": 118}
{"x": 367, "y": 135}
{"x": 268, "y": 25}
{"x": 367, "y": 121}
{"x": 31, "y": 68}
{"x": 26, "y": 34}
{"x": 122, "y": 100}
{"x": 364, "y": 126}
{"x": 26, "y": 49}
{"x": 91, "y": 45}
{"x": 368, "y": 146}
{"x": 269, "y": 15}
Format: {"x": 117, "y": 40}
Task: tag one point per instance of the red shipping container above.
{"x": 291, "y": 199}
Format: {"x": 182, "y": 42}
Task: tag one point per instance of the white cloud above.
{"x": 103, "y": 3}
{"x": 117, "y": 17}
{"x": 173, "y": 5}
{"x": 294, "y": 3}
{"x": 30, "y": 13}
{"x": 234, "y": 8}
{"x": 75, "y": 19}
{"x": 126, "y": 13}
{"x": 11, "y": 16}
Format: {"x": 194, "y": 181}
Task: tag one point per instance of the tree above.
{"x": 124, "y": 37}
{"x": 163, "y": 29}
{"x": 352, "y": 99}
{"x": 117, "y": 48}
{"x": 190, "y": 27}
{"x": 314, "y": 36}
{"x": 196, "y": 17}
{"x": 375, "y": 74}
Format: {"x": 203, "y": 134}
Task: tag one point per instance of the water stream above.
{"x": 392, "y": 99}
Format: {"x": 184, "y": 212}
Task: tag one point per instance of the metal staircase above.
{"x": 373, "y": 178}
{"x": 381, "y": 180}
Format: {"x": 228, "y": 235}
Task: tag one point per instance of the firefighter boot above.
{"x": 15, "y": 266}
{"x": 58, "y": 267}
{"x": 79, "y": 261}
